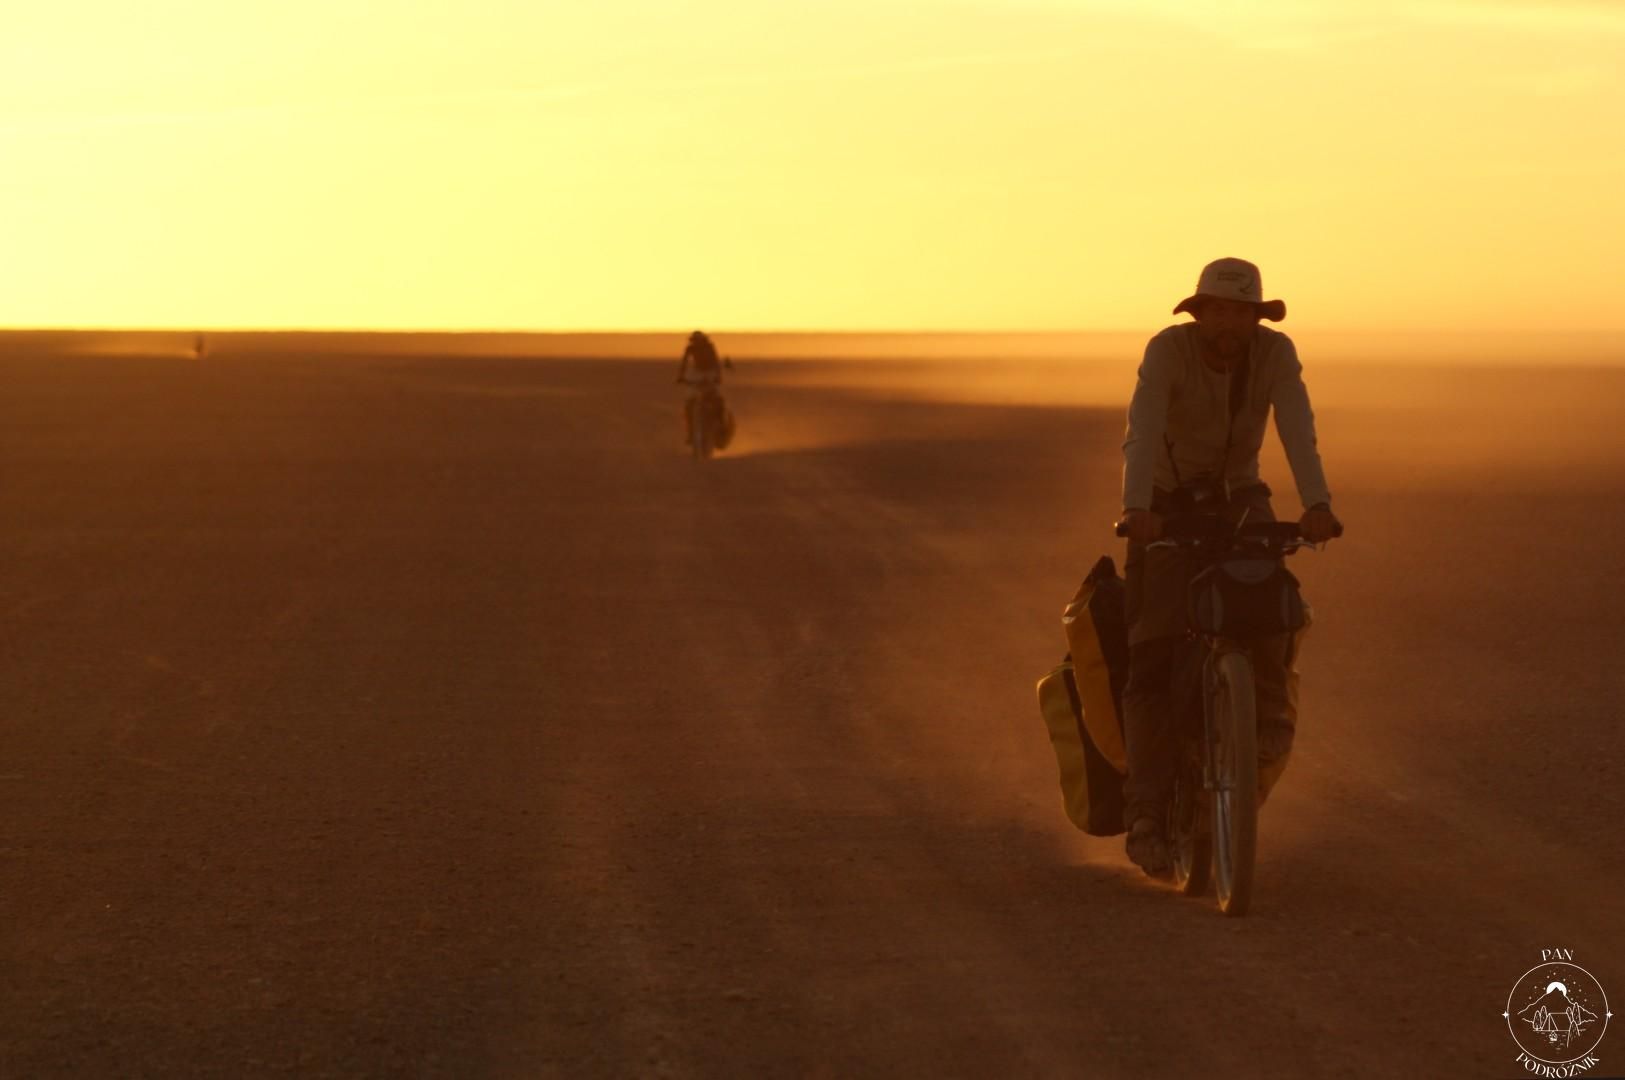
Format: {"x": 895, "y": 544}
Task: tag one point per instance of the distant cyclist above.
{"x": 702, "y": 367}
{"x": 1195, "y": 426}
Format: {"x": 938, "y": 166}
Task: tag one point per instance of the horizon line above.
{"x": 796, "y": 331}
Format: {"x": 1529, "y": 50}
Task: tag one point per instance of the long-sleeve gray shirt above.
{"x": 1182, "y": 400}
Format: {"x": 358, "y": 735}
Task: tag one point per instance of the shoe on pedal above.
{"x": 1147, "y": 849}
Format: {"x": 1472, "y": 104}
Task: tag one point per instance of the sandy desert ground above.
{"x": 403, "y": 716}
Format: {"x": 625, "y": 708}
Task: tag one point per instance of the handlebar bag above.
{"x": 1245, "y": 598}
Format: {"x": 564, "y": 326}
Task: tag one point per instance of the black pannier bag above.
{"x": 1246, "y": 598}
{"x": 722, "y": 424}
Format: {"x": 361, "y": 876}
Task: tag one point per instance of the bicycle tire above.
{"x": 1190, "y": 840}
{"x": 702, "y": 430}
{"x": 1235, "y": 796}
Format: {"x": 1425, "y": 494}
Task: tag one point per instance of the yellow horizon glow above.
{"x": 918, "y": 164}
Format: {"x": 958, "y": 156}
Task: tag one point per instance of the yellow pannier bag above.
{"x": 1079, "y": 701}
{"x": 1097, "y": 638}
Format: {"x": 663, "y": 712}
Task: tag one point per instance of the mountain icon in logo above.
{"x": 1557, "y": 1016}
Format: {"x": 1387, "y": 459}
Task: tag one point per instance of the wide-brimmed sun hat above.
{"x": 1233, "y": 279}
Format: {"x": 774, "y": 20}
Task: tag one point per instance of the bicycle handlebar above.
{"x": 1181, "y": 529}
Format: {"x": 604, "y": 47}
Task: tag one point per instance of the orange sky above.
{"x": 923, "y": 164}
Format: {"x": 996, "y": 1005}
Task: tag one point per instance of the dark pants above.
{"x": 1160, "y": 653}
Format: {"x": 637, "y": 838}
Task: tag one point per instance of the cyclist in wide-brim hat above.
{"x": 1195, "y": 427}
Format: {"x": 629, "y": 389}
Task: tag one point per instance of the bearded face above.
{"x": 1226, "y": 328}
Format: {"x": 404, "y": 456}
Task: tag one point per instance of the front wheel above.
{"x": 701, "y": 436}
{"x": 1190, "y": 842}
{"x": 1234, "y": 718}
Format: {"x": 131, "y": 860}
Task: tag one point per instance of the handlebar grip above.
{"x": 1121, "y": 528}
